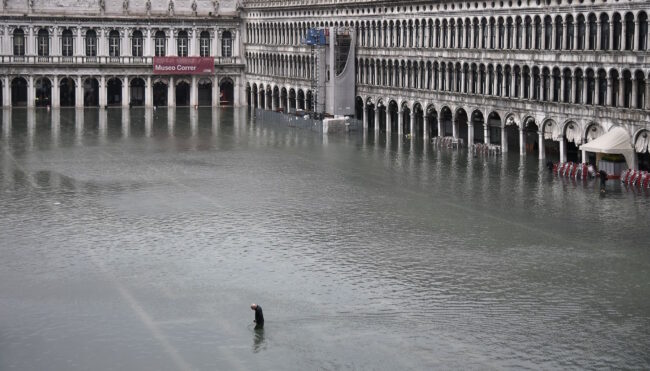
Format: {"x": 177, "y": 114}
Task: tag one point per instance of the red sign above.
{"x": 183, "y": 65}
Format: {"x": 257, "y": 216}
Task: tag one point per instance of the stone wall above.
{"x": 117, "y": 7}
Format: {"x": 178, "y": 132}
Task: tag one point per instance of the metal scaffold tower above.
{"x": 317, "y": 39}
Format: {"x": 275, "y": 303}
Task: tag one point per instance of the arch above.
{"x": 114, "y": 91}
{"x": 160, "y": 92}
{"x": 43, "y": 90}
{"x": 642, "y": 149}
{"x": 91, "y": 92}
{"x": 18, "y": 92}
{"x": 227, "y": 92}
{"x": 67, "y": 92}
{"x": 204, "y": 93}
{"x": 461, "y": 122}
{"x": 182, "y": 92}
{"x": 431, "y": 116}
{"x": 137, "y": 91}
{"x": 494, "y": 125}
{"x": 478, "y": 122}
{"x": 446, "y": 122}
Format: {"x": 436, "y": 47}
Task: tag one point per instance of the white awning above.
{"x": 616, "y": 141}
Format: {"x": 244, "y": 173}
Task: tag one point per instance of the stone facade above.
{"x": 96, "y": 53}
{"x": 521, "y": 74}
{"x": 527, "y": 74}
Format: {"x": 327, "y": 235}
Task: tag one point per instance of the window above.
{"x": 19, "y": 42}
{"x": 182, "y": 44}
{"x": 43, "y": 43}
{"x": 205, "y": 44}
{"x": 160, "y": 44}
{"x": 91, "y": 44}
{"x": 67, "y": 44}
{"x": 114, "y": 44}
{"x": 226, "y": 44}
{"x": 137, "y": 44}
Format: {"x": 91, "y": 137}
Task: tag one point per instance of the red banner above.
{"x": 183, "y": 65}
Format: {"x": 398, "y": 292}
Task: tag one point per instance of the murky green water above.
{"x": 137, "y": 240}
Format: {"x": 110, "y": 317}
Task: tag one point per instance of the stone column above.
{"x": 194, "y": 89}
{"x": 440, "y": 131}
{"x": 470, "y": 134}
{"x": 377, "y": 118}
{"x": 543, "y": 39}
{"x": 540, "y": 144}
{"x": 412, "y": 123}
{"x": 427, "y": 35}
{"x": 621, "y": 91}
{"x": 425, "y": 127}
{"x": 56, "y": 95}
{"x": 621, "y": 43}
{"x": 522, "y": 142}
{"x": 171, "y": 92}
{"x": 31, "y": 91}
{"x": 365, "y": 117}
{"x": 599, "y": 32}
{"x": 235, "y": 43}
{"x": 125, "y": 48}
{"x": 562, "y": 86}
{"x": 55, "y": 45}
{"x": 574, "y": 89}
{"x": 513, "y": 85}
{"x": 102, "y": 91}
{"x": 126, "y": 96}
{"x": 635, "y": 41}
{"x": 647, "y": 95}
{"x": 148, "y": 41}
{"x": 193, "y": 52}
{"x": 575, "y": 31}
{"x": 504, "y": 139}
{"x": 216, "y": 94}
{"x": 585, "y": 88}
{"x": 610, "y": 91}
{"x": 389, "y": 121}
{"x": 596, "y": 90}
{"x": 587, "y": 34}
{"x": 611, "y": 33}
{"x": 101, "y": 43}
{"x": 171, "y": 43}
{"x": 79, "y": 94}
{"x": 454, "y": 126}
{"x": 562, "y": 149}
{"x": 148, "y": 95}
{"x": 400, "y": 122}
{"x": 553, "y": 34}
{"x": 6, "y": 92}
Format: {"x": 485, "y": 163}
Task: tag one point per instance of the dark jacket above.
{"x": 259, "y": 317}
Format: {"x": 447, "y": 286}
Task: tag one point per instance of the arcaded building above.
{"x": 67, "y": 53}
{"x": 539, "y": 77}
{"x": 535, "y": 76}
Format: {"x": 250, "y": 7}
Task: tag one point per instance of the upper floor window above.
{"x": 226, "y": 44}
{"x": 205, "y": 44}
{"x": 160, "y": 41}
{"x": 67, "y": 43}
{"x": 43, "y": 43}
{"x": 91, "y": 43}
{"x": 114, "y": 43}
{"x": 137, "y": 43}
{"x": 182, "y": 42}
{"x": 19, "y": 42}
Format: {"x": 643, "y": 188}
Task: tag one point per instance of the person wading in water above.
{"x": 259, "y": 316}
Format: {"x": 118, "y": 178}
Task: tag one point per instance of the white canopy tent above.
{"x": 616, "y": 141}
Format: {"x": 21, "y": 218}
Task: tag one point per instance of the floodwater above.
{"x": 136, "y": 240}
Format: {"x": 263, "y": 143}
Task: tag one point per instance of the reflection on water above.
{"x": 131, "y": 239}
{"x": 259, "y": 343}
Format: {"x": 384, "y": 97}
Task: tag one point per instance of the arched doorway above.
{"x": 382, "y": 115}
{"x": 276, "y": 98}
{"x": 249, "y": 91}
{"x": 572, "y": 139}
{"x": 592, "y": 132}
{"x": 91, "y": 92}
{"x": 393, "y": 112}
{"x": 137, "y": 92}
{"x": 370, "y": 115}
{"x": 419, "y": 120}
{"x": 67, "y": 94}
{"x": 284, "y": 100}
{"x": 494, "y": 128}
{"x": 358, "y": 108}
{"x": 262, "y": 97}
{"x": 205, "y": 92}
{"x": 301, "y": 100}
{"x": 406, "y": 119}
{"x": 114, "y": 92}
{"x": 182, "y": 93}
{"x": 531, "y": 136}
{"x": 479, "y": 127}
{"x": 160, "y": 88}
{"x": 309, "y": 101}
{"x": 254, "y": 97}
{"x": 461, "y": 125}
{"x": 551, "y": 147}
{"x": 269, "y": 98}
{"x": 18, "y": 92}
{"x": 512, "y": 135}
{"x": 43, "y": 90}
{"x": 292, "y": 100}
{"x": 446, "y": 122}
{"x": 227, "y": 88}
{"x": 432, "y": 121}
